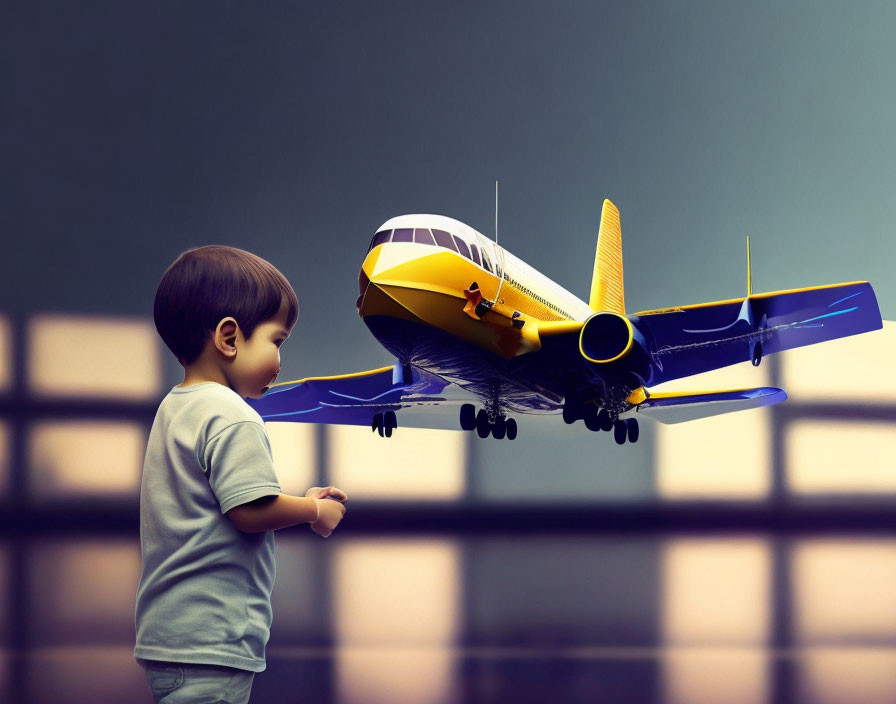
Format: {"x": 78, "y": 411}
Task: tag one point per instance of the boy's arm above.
{"x": 283, "y": 510}
{"x": 273, "y": 512}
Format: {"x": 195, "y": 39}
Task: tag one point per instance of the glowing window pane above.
{"x": 5, "y": 463}
{"x": 82, "y": 592}
{"x": 697, "y": 676}
{"x": 837, "y": 457}
{"x": 726, "y": 456}
{"x": 94, "y": 357}
{"x": 847, "y": 676}
{"x": 396, "y": 606}
{"x": 85, "y": 458}
{"x": 845, "y": 590}
{"x": 295, "y": 456}
{"x": 856, "y": 369}
{"x": 716, "y": 591}
{"x": 412, "y": 464}
{"x": 5, "y": 354}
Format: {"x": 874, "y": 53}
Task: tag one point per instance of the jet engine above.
{"x": 607, "y": 337}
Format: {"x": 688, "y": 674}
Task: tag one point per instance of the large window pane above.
{"x": 722, "y": 457}
{"x": 716, "y": 676}
{"x": 444, "y": 239}
{"x": 412, "y": 464}
{"x": 294, "y": 447}
{"x": 716, "y": 591}
{"x": 94, "y": 357}
{"x": 423, "y": 236}
{"x": 6, "y": 352}
{"x": 830, "y": 457}
{"x": 847, "y": 676}
{"x": 85, "y": 458}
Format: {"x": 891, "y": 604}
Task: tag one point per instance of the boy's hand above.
{"x": 327, "y": 492}
{"x": 330, "y": 513}
{"x": 330, "y": 508}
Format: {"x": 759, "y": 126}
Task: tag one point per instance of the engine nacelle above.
{"x": 607, "y": 337}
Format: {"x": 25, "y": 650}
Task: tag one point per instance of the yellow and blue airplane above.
{"x": 479, "y": 335}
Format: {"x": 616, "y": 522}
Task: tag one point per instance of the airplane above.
{"x": 479, "y": 335}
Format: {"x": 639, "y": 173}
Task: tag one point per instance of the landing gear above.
{"x": 502, "y": 427}
{"x": 633, "y": 431}
{"x": 756, "y": 355}
{"x": 384, "y": 423}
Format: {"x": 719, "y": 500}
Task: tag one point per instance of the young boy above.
{"x": 209, "y": 498}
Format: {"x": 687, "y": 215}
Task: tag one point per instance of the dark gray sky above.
{"x": 132, "y": 131}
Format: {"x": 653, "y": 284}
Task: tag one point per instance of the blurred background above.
{"x": 749, "y": 558}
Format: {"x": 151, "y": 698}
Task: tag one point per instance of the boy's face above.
{"x": 257, "y": 360}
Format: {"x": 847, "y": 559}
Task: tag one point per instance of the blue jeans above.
{"x": 186, "y": 683}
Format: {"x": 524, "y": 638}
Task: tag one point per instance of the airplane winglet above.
{"x": 607, "y": 291}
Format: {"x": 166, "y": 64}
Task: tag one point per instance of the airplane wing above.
{"x": 678, "y": 407}
{"x": 693, "y": 339}
{"x": 422, "y": 401}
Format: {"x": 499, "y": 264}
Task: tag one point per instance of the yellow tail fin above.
{"x": 607, "y": 292}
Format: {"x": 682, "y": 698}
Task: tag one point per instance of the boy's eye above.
{"x": 279, "y": 342}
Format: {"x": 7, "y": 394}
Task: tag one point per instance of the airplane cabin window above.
{"x": 422, "y": 235}
{"x": 462, "y": 247}
{"x": 403, "y": 234}
{"x": 486, "y": 263}
{"x": 475, "y": 251}
{"x": 379, "y": 238}
{"x": 443, "y": 239}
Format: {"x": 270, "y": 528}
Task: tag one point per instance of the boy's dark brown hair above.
{"x": 206, "y": 284}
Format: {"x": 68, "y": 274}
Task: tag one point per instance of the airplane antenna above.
{"x": 499, "y": 256}
{"x": 749, "y": 270}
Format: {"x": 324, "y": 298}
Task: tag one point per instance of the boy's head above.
{"x": 206, "y": 285}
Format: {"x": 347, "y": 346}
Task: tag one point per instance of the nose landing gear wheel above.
{"x": 377, "y": 423}
{"x": 468, "y": 417}
{"x": 620, "y": 430}
{"x": 390, "y": 423}
{"x": 633, "y": 430}
{"x": 483, "y": 427}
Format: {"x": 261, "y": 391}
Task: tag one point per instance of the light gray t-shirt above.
{"x": 205, "y": 589}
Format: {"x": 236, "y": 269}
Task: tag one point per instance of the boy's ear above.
{"x": 225, "y": 336}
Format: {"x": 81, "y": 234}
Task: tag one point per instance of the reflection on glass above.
{"x": 412, "y": 464}
{"x": 5, "y": 458}
{"x": 93, "y": 357}
{"x": 97, "y": 458}
{"x": 82, "y": 591}
{"x": 716, "y": 591}
{"x": 836, "y": 457}
{"x": 845, "y": 591}
{"x": 855, "y": 369}
{"x": 726, "y": 676}
{"x": 294, "y": 448}
{"x": 847, "y": 676}
{"x": 396, "y": 611}
{"x": 86, "y": 674}
{"x": 6, "y": 353}
{"x": 726, "y": 456}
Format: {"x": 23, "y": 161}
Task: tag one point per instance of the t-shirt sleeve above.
{"x": 239, "y": 465}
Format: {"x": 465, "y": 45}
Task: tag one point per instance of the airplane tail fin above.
{"x": 607, "y": 291}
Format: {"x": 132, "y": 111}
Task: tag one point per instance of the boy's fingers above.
{"x": 337, "y": 493}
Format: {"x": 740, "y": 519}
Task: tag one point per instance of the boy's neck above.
{"x": 203, "y": 370}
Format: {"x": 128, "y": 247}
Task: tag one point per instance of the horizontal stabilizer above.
{"x": 678, "y": 407}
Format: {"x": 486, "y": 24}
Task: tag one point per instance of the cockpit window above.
{"x": 422, "y": 235}
{"x": 462, "y": 247}
{"x": 443, "y": 239}
{"x": 379, "y": 238}
{"x": 475, "y": 252}
{"x": 486, "y": 262}
{"x": 403, "y": 234}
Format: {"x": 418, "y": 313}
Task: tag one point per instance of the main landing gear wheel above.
{"x": 511, "y": 429}
{"x": 633, "y": 430}
{"x": 499, "y": 429}
{"x": 604, "y": 421}
{"x": 620, "y": 430}
{"x": 468, "y": 417}
{"x": 591, "y": 417}
{"x": 384, "y": 423}
{"x": 483, "y": 427}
